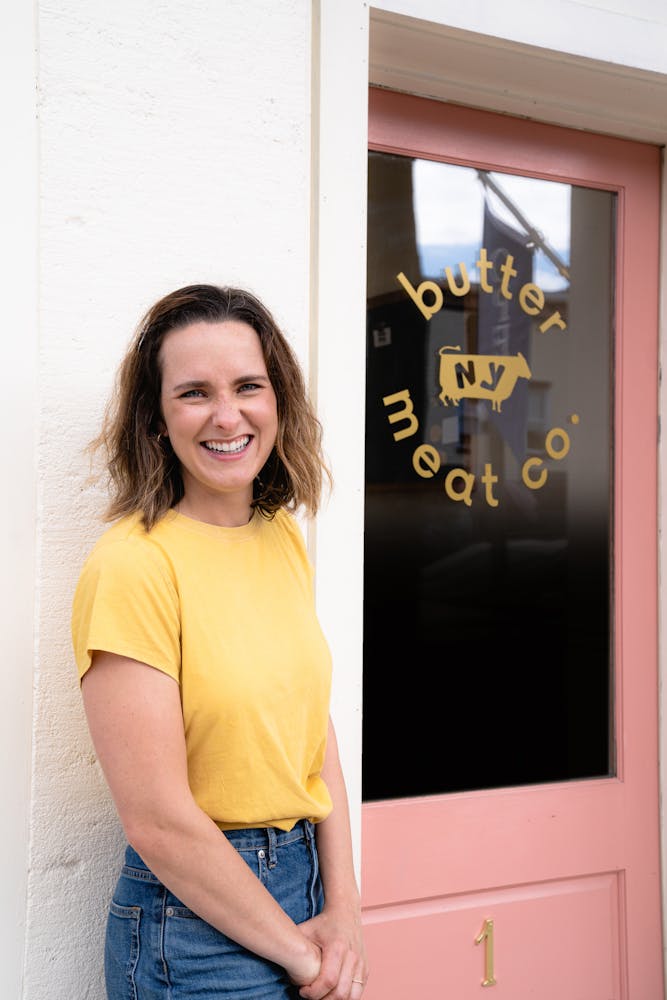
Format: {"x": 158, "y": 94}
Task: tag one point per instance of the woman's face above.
{"x": 220, "y": 414}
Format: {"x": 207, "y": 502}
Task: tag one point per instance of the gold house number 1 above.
{"x": 486, "y": 935}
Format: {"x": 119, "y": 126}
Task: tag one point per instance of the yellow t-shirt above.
{"x": 229, "y": 613}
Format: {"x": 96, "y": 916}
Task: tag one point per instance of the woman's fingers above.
{"x": 358, "y": 980}
{"x": 339, "y": 981}
{"x": 329, "y": 976}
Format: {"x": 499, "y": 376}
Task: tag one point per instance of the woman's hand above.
{"x": 343, "y": 973}
{"x": 337, "y": 929}
{"x": 306, "y": 969}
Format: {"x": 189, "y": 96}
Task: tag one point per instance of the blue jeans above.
{"x": 158, "y": 949}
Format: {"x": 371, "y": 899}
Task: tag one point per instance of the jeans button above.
{"x": 261, "y": 854}
{"x": 169, "y": 911}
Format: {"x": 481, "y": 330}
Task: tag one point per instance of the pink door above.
{"x": 510, "y": 824}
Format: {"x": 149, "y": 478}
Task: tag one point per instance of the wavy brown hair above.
{"x": 144, "y": 472}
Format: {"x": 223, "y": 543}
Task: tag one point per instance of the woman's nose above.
{"x": 226, "y": 413}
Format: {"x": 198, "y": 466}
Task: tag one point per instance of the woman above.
{"x": 205, "y": 676}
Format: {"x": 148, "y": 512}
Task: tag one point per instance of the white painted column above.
{"x": 338, "y": 345}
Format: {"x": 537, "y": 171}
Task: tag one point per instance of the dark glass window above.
{"x": 487, "y": 652}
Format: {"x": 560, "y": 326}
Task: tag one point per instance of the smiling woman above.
{"x": 144, "y": 471}
{"x": 221, "y": 419}
{"x": 205, "y": 675}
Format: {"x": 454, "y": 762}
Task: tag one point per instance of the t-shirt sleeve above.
{"x": 298, "y": 545}
{"x": 126, "y": 603}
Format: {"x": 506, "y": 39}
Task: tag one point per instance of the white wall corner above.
{"x": 338, "y": 265}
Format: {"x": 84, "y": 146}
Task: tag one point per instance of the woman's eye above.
{"x": 192, "y": 393}
{"x": 249, "y": 387}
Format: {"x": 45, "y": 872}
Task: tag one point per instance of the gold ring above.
{"x": 360, "y": 981}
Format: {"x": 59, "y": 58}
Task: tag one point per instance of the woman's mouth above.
{"x": 228, "y": 447}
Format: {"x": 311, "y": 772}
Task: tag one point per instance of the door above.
{"x": 510, "y": 825}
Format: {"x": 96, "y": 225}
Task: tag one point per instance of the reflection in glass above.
{"x": 488, "y": 480}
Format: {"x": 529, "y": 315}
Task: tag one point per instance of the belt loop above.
{"x": 273, "y": 856}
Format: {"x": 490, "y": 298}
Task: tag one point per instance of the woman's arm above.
{"x": 337, "y": 930}
{"x": 135, "y": 719}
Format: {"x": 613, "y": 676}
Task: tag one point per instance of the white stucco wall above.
{"x": 175, "y": 147}
{"x": 175, "y": 144}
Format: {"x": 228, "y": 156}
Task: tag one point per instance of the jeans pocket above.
{"x": 121, "y": 951}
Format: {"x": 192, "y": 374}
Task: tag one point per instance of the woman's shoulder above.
{"x": 126, "y": 601}
{"x": 126, "y": 543}
{"x": 292, "y": 542}
{"x": 124, "y": 529}
{"x": 128, "y": 532}
{"x": 284, "y": 522}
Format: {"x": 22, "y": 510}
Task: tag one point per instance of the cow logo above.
{"x": 479, "y": 376}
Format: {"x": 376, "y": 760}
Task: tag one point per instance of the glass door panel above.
{"x": 487, "y": 652}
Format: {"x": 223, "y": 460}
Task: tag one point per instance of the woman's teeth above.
{"x": 227, "y": 446}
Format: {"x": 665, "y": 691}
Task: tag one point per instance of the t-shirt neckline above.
{"x": 236, "y": 534}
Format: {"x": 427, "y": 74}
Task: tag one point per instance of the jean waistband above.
{"x": 267, "y": 838}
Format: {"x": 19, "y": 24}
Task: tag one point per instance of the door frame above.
{"x": 612, "y": 824}
{"x": 353, "y": 46}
